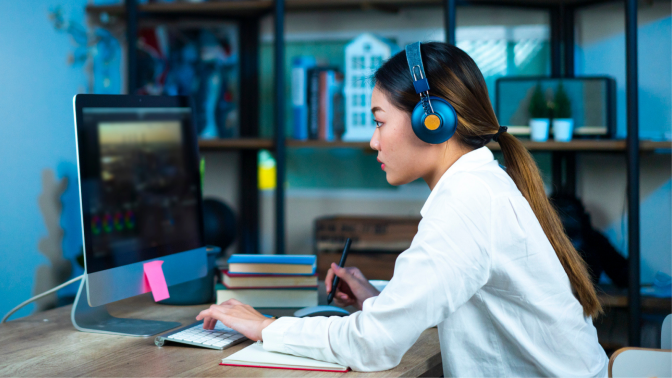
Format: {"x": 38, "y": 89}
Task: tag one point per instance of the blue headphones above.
{"x": 434, "y": 119}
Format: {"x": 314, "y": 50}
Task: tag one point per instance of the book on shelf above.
{"x": 272, "y": 264}
{"x": 300, "y": 66}
{"x": 269, "y": 298}
{"x": 325, "y": 103}
{"x": 267, "y": 281}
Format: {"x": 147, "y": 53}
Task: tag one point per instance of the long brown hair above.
{"x": 454, "y": 76}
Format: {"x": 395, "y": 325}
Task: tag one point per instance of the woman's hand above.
{"x": 353, "y": 289}
{"x": 236, "y": 315}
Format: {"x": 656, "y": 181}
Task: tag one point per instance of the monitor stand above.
{"x": 97, "y": 319}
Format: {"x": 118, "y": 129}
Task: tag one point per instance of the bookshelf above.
{"x": 235, "y": 144}
{"x": 577, "y": 145}
{"x": 248, "y": 13}
{"x": 255, "y": 8}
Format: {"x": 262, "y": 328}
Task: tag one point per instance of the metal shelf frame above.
{"x": 561, "y": 14}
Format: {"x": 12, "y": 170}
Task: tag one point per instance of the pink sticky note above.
{"x": 157, "y": 281}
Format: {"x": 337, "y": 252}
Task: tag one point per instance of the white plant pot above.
{"x": 563, "y": 129}
{"x": 539, "y": 129}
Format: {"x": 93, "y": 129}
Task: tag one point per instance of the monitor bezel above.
{"x": 82, "y": 101}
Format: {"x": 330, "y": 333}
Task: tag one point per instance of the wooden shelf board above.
{"x": 235, "y": 144}
{"x": 212, "y": 8}
{"x": 575, "y": 145}
{"x": 325, "y": 144}
{"x": 612, "y": 297}
{"x": 648, "y": 145}
{"x": 233, "y": 8}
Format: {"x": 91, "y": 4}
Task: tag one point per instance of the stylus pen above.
{"x": 337, "y": 280}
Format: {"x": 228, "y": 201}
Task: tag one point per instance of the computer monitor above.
{"x": 140, "y": 193}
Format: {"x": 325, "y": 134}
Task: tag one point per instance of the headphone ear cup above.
{"x": 448, "y": 121}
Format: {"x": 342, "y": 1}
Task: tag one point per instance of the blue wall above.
{"x": 37, "y": 133}
{"x": 606, "y": 56}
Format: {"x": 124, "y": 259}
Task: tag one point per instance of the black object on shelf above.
{"x": 219, "y": 223}
{"x": 596, "y": 250}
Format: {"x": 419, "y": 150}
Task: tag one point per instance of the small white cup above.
{"x": 563, "y": 129}
{"x": 539, "y": 129}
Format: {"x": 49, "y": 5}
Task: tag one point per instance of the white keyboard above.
{"x": 219, "y": 338}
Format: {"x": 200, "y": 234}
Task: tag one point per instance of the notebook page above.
{"x": 255, "y": 354}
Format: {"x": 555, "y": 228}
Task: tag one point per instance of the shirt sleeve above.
{"x": 445, "y": 266}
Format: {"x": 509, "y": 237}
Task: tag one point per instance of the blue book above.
{"x": 300, "y": 66}
{"x": 273, "y": 264}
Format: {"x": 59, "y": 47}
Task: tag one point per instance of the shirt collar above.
{"x": 467, "y": 162}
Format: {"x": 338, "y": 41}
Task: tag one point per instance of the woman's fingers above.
{"x": 328, "y": 279}
{"x": 212, "y": 314}
{"x": 209, "y": 323}
{"x": 344, "y": 273}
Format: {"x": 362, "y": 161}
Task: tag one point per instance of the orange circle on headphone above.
{"x": 432, "y": 122}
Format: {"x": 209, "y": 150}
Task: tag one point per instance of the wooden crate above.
{"x": 374, "y": 266}
{"x": 368, "y": 234}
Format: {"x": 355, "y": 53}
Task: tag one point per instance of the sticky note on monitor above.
{"x": 157, "y": 281}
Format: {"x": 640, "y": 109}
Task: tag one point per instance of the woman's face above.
{"x": 403, "y": 156}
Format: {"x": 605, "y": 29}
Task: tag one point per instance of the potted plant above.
{"x": 563, "y": 124}
{"x": 539, "y": 115}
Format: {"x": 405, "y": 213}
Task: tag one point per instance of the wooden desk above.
{"x": 46, "y": 344}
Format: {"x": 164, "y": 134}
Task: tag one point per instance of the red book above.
{"x": 323, "y": 112}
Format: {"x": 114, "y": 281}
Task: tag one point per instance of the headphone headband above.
{"x": 414, "y": 60}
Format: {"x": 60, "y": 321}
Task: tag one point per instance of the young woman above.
{"x": 490, "y": 265}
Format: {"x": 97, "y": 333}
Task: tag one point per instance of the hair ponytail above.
{"x": 456, "y": 78}
{"x": 522, "y": 168}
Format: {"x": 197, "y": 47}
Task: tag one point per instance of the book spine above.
{"x": 331, "y": 83}
{"x": 323, "y": 107}
{"x": 273, "y": 259}
{"x": 270, "y": 287}
{"x": 338, "y": 124}
{"x": 314, "y": 102}
{"x": 255, "y": 298}
{"x": 300, "y": 66}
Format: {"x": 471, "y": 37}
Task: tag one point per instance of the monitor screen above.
{"x": 140, "y": 184}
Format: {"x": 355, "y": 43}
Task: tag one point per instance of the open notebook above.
{"x": 256, "y": 356}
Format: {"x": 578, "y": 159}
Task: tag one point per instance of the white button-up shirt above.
{"x": 482, "y": 270}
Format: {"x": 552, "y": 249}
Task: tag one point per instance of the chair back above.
{"x": 640, "y": 362}
{"x": 666, "y": 334}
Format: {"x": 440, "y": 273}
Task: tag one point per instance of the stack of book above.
{"x": 270, "y": 281}
{"x": 317, "y": 101}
